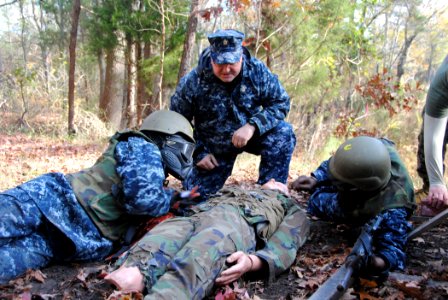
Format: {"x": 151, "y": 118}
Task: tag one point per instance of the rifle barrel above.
{"x": 431, "y": 223}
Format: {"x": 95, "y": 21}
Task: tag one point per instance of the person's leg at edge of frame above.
{"x": 192, "y": 273}
{"x": 147, "y": 260}
{"x": 31, "y": 252}
{"x": 421, "y": 165}
{"x": 22, "y": 244}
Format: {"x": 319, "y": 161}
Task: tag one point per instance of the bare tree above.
{"x": 185, "y": 63}
{"x": 41, "y": 25}
{"x": 71, "y": 74}
{"x": 162, "y": 55}
{"x": 131, "y": 72}
{"x": 109, "y": 92}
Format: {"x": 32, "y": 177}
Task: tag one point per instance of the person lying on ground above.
{"x": 363, "y": 179}
{"x": 235, "y": 232}
{"x": 86, "y": 216}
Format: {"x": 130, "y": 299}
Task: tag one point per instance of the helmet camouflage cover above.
{"x": 362, "y": 162}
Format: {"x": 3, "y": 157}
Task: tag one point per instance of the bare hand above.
{"x": 243, "y": 264}
{"x": 242, "y": 136}
{"x": 376, "y": 264}
{"x": 305, "y": 183}
{"x": 209, "y": 162}
{"x": 437, "y": 197}
{"x": 127, "y": 279}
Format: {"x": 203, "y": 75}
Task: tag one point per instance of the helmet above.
{"x": 362, "y": 162}
{"x": 173, "y": 135}
{"x": 168, "y": 122}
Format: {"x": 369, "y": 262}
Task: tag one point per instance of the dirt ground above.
{"x": 426, "y": 276}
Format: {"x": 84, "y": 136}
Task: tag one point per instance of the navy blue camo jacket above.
{"x": 219, "y": 109}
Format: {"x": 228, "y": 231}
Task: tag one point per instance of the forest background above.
{"x": 72, "y": 72}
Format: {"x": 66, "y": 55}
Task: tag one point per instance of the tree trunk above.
{"x": 109, "y": 87}
{"x": 140, "y": 83}
{"x": 187, "y": 54}
{"x": 404, "y": 55}
{"x": 162, "y": 56}
{"x": 41, "y": 26}
{"x": 71, "y": 75}
{"x": 130, "y": 103}
{"x": 102, "y": 73}
{"x": 144, "y": 107}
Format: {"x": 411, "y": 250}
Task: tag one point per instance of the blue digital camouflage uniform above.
{"x": 43, "y": 220}
{"x": 219, "y": 109}
{"x": 396, "y": 199}
{"x": 181, "y": 257}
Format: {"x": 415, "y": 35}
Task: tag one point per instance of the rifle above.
{"x": 431, "y": 223}
{"x": 358, "y": 258}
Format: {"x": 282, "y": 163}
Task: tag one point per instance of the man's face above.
{"x": 227, "y": 72}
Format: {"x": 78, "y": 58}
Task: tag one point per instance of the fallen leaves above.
{"x": 32, "y": 157}
{"x": 232, "y": 293}
{"x": 35, "y": 275}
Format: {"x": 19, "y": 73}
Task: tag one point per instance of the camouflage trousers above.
{"x": 23, "y": 241}
{"x": 181, "y": 257}
{"x": 41, "y": 221}
{"x": 421, "y": 165}
{"x": 275, "y": 148}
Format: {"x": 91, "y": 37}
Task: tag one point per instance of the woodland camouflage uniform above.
{"x": 81, "y": 216}
{"x": 255, "y": 96}
{"x": 395, "y": 202}
{"x": 181, "y": 257}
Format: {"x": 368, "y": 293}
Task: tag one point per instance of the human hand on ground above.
{"x": 209, "y": 162}
{"x": 305, "y": 183}
{"x": 376, "y": 264}
{"x": 437, "y": 197}
{"x": 242, "y": 136}
{"x": 243, "y": 263}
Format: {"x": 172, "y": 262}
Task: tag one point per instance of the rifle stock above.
{"x": 335, "y": 287}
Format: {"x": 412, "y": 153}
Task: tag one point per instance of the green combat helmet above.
{"x": 173, "y": 134}
{"x": 362, "y": 163}
{"x": 168, "y": 122}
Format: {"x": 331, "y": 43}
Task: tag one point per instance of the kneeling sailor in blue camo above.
{"x": 237, "y": 105}
{"x": 83, "y": 216}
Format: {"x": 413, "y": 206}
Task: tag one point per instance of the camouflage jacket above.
{"x": 280, "y": 224}
{"x": 126, "y": 182}
{"x": 219, "y": 109}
